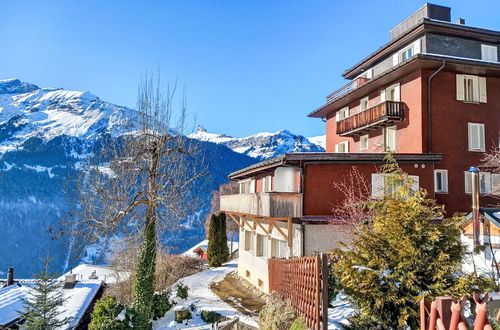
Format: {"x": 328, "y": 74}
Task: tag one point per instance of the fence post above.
{"x": 324, "y": 290}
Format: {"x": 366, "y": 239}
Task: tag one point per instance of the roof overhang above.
{"x": 418, "y": 62}
{"x": 302, "y": 158}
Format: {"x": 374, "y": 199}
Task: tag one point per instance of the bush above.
{"x": 210, "y": 316}
{"x": 218, "y": 251}
{"x": 182, "y": 315}
{"x": 298, "y": 324}
{"x": 182, "y": 291}
{"x": 276, "y": 314}
{"x": 106, "y": 310}
{"x": 161, "y": 304}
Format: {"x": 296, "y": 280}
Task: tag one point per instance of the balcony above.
{"x": 383, "y": 114}
{"x": 346, "y": 89}
{"x": 271, "y": 204}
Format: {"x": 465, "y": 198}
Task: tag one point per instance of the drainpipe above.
{"x": 429, "y": 126}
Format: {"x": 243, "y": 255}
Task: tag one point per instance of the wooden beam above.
{"x": 256, "y": 220}
{"x": 279, "y": 230}
{"x": 235, "y": 220}
{"x": 245, "y": 220}
{"x": 290, "y": 232}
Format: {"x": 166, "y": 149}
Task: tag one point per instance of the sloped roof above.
{"x": 490, "y": 214}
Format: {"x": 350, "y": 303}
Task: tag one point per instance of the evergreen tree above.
{"x": 405, "y": 251}
{"x": 41, "y": 307}
{"x": 218, "y": 251}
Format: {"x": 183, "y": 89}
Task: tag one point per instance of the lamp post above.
{"x": 475, "y": 203}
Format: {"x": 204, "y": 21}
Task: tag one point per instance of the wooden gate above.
{"x": 303, "y": 281}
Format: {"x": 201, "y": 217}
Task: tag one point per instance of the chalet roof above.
{"x": 300, "y": 158}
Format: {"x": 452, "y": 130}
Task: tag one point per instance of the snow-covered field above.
{"x": 202, "y": 298}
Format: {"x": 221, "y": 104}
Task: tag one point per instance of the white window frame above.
{"x": 495, "y": 184}
{"x": 444, "y": 181}
{"x": 485, "y": 177}
{"x": 344, "y": 146}
{"x": 342, "y": 114}
{"x": 380, "y": 188}
{"x": 480, "y": 137}
{"x": 471, "y": 89}
{"x": 364, "y": 142}
{"x": 397, "y": 93}
{"x": 386, "y": 138}
{"x": 364, "y": 103}
{"x": 489, "y": 53}
{"x": 267, "y": 183}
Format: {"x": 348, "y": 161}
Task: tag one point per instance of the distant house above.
{"x": 200, "y": 250}
{"x": 486, "y": 258}
{"x": 82, "y": 287}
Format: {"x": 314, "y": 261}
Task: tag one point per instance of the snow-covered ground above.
{"x": 340, "y": 311}
{"x": 202, "y": 298}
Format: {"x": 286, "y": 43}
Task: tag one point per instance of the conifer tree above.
{"x": 42, "y": 306}
{"x": 407, "y": 250}
{"x": 218, "y": 251}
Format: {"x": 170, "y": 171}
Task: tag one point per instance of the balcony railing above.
{"x": 271, "y": 204}
{"x": 380, "y": 115}
{"x": 346, "y": 89}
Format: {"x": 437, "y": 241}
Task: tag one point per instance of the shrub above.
{"x": 106, "y": 310}
{"x": 276, "y": 314}
{"x": 161, "y": 304}
{"x": 218, "y": 252}
{"x": 182, "y": 291}
{"x": 210, "y": 316}
{"x": 298, "y": 324}
{"x": 182, "y": 315}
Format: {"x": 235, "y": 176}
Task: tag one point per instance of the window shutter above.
{"x": 337, "y": 116}
{"x": 337, "y": 147}
{"x": 378, "y": 186}
{"x": 475, "y": 89}
{"x": 252, "y": 187}
{"x": 482, "y": 90}
{"x": 444, "y": 179}
{"x": 382, "y": 96}
{"x": 346, "y": 146}
{"x": 395, "y": 59}
{"x": 495, "y": 184}
{"x": 460, "y": 87}
{"x": 416, "y": 185}
{"x": 480, "y": 130}
{"x": 487, "y": 182}
{"x": 397, "y": 93}
{"x": 416, "y": 46}
{"x": 468, "y": 182}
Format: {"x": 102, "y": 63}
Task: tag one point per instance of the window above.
{"x": 392, "y": 93}
{"x": 441, "y": 181}
{"x": 342, "y": 147}
{"x": 247, "y": 186}
{"x": 389, "y": 134}
{"x": 363, "y": 104}
{"x": 495, "y": 184}
{"x": 484, "y": 182}
{"x": 476, "y": 137}
{"x": 282, "y": 249}
{"x": 363, "y": 142}
{"x": 248, "y": 240}
{"x": 267, "y": 183}
{"x": 381, "y": 186}
{"x": 342, "y": 114}
{"x": 259, "y": 251}
{"x": 489, "y": 53}
{"x": 406, "y": 53}
{"x": 471, "y": 88}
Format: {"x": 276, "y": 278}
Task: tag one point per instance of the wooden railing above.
{"x": 346, "y": 89}
{"x": 377, "y": 115}
{"x": 270, "y": 204}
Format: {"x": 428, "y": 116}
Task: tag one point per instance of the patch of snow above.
{"x": 203, "y": 298}
{"x": 103, "y": 273}
{"x": 340, "y": 312}
{"x": 204, "y": 244}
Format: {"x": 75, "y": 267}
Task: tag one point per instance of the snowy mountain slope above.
{"x": 45, "y": 133}
{"x": 262, "y": 145}
{"x": 319, "y": 140}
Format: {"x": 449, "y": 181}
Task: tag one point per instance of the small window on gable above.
{"x": 363, "y": 104}
{"x": 342, "y": 114}
{"x": 476, "y": 137}
{"x": 489, "y": 53}
{"x": 342, "y": 147}
{"x": 363, "y": 142}
{"x": 441, "y": 181}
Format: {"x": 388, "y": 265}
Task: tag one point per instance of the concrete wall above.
{"x": 323, "y": 238}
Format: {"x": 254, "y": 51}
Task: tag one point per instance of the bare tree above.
{"x": 140, "y": 183}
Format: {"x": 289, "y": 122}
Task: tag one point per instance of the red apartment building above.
{"x": 431, "y": 95}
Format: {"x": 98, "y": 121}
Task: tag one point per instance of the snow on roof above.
{"x": 78, "y": 300}
{"x": 204, "y": 245}
{"x": 103, "y": 273}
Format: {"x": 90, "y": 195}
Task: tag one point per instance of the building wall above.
{"x": 323, "y": 238}
{"x": 454, "y": 46}
{"x": 450, "y": 120}
{"x": 320, "y": 194}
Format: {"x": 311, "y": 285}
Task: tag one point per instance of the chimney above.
{"x": 69, "y": 281}
{"x": 10, "y": 276}
{"x": 460, "y": 21}
{"x": 475, "y": 204}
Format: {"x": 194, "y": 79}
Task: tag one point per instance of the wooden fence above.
{"x": 446, "y": 313}
{"x": 304, "y": 281}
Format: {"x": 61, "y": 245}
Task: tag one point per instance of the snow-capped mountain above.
{"x": 263, "y": 145}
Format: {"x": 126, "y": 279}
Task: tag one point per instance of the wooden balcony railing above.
{"x": 380, "y": 115}
{"x": 271, "y": 204}
{"x": 346, "y": 89}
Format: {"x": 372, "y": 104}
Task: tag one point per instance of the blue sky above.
{"x": 248, "y": 66}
